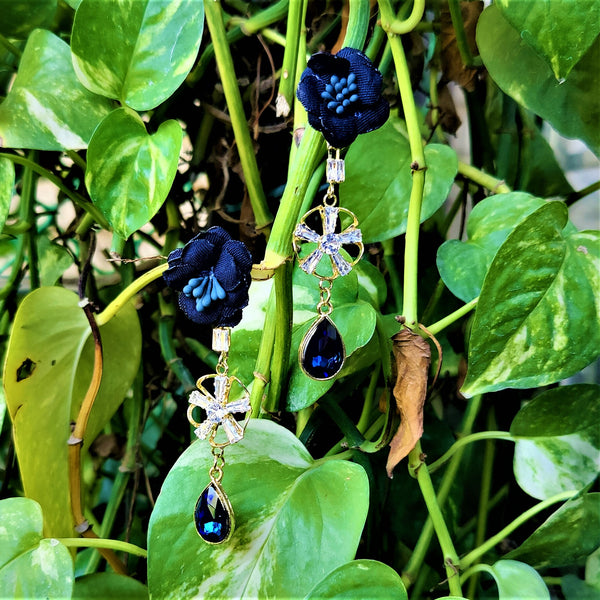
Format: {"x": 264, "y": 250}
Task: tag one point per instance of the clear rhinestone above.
{"x": 221, "y": 339}
{"x": 336, "y": 173}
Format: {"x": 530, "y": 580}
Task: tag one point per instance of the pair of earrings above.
{"x": 342, "y": 96}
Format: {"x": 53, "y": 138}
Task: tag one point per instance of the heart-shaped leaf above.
{"x": 575, "y": 589}
{"x": 31, "y": 566}
{"x": 53, "y": 260}
{"x": 360, "y": 579}
{"x": 296, "y": 520}
{"x": 47, "y": 108}
{"x": 570, "y": 106}
{"x": 137, "y": 52}
{"x": 518, "y": 580}
{"x": 561, "y": 37}
{"x": 463, "y": 265}
{"x": 129, "y": 172}
{"x": 536, "y": 320}
{"x": 7, "y": 181}
{"x": 47, "y": 371}
{"x": 566, "y": 538}
{"x": 563, "y": 449}
{"x": 379, "y": 194}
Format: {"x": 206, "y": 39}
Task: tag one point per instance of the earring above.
{"x": 322, "y": 353}
{"x": 213, "y": 515}
{"x": 212, "y": 274}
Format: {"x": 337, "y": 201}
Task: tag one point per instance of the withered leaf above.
{"x": 452, "y": 65}
{"x": 412, "y": 356}
{"x": 448, "y": 118}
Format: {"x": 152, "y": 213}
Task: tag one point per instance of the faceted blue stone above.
{"x": 212, "y": 516}
{"x": 322, "y": 354}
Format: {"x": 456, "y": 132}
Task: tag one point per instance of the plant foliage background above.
{"x": 128, "y": 126}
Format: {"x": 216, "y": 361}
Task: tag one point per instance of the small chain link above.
{"x": 216, "y": 471}
{"x": 324, "y": 307}
{"x": 222, "y": 367}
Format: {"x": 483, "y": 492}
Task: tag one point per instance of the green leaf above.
{"x": 107, "y": 586}
{"x": 7, "y": 182}
{"x": 560, "y": 32}
{"x": 137, "y": 52}
{"x": 566, "y": 537}
{"x": 563, "y": 452}
{"x": 592, "y": 569}
{"x": 53, "y": 260}
{"x": 570, "y": 106}
{"x": 129, "y": 172}
{"x": 47, "y": 108}
{"x": 360, "y": 579}
{"x": 379, "y": 194}
{"x": 30, "y": 566}
{"x": 296, "y": 520}
{"x": 47, "y": 372}
{"x": 463, "y": 265}
{"x": 518, "y": 580}
{"x": 536, "y": 320}
{"x": 21, "y": 17}
{"x": 575, "y": 589}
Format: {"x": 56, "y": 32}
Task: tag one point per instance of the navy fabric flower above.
{"x": 342, "y": 95}
{"x": 212, "y": 272}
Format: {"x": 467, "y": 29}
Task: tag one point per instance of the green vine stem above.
{"x": 27, "y": 213}
{"x": 477, "y": 553}
{"x": 241, "y": 27}
{"x": 10, "y": 46}
{"x": 214, "y": 20}
{"x": 397, "y": 26}
{"x": 484, "y": 494}
{"x": 452, "y": 317}
{"x": 389, "y": 261}
{"x": 469, "y": 439}
{"x": 283, "y": 335}
{"x": 496, "y": 186}
{"x": 586, "y": 191}
{"x": 413, "y": 567}
{"x": 103, "y": 543}
{"x": 410, "y": 308}
{"x": 76, "y": 198}
{"x": 287, "y": 83}
{"x": 466, "y": 55}
{"x": 129, "y": 292}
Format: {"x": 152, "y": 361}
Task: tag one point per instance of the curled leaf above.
{"x": 412, "y": 356}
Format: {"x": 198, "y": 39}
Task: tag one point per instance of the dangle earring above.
{"x": 322, "y": 352}
{"x": 212, "y": 274}
{"x": 213, "y": 514}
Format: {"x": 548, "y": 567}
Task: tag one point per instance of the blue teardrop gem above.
{"x": 322, "y": 351}
{"x": 213, "y": 515}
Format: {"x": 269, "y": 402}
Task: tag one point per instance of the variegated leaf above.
{"x": 296, "y": 520}
{"x": 47, "y": 108}
{"x": 47, "y": 372}
{"x": 566, "y": 537}
{"x": 31, "y": 566}
{"x": 463, "y": 265}
{"x": 130, "y": 172}
{"x": 537, "y": 317}
{"x": 518, "y": 580}
{"x": 562, "y": 449}
{"x": 137, "y": 51}
{"x": 360, "y": 579}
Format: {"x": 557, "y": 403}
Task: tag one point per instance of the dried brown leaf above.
{"x": 412, "y": 356}
{"x": 452, "y": 65}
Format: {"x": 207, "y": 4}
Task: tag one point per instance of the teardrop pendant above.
{"x": 213, "y": 515}
{"x": 322, "y": 351}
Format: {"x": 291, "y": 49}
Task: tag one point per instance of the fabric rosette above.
{"x": 212, "y": 274}
{"x": 342, "y": 95}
